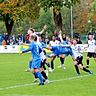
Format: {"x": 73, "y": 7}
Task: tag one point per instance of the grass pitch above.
{"x": 14, "y": 81}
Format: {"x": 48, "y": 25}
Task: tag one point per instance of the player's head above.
{"x": 90, "y": 36}
{"x": 32, "y": 38}
{"x": 74, "y": 41}
{"x": 31, "y": 31}
{"x": 67, "y": 37}
{"x": 53, "y": 38}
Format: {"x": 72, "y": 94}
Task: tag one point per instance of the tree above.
{"x": 80, "y": 16}
{"x": 13, "y": 10}
{"x": 92, "y": 14}
{"x": 56, "y": 5}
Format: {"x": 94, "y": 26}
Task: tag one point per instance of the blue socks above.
{"x": 38, "y": 75}
{"x": 30, "y": 64}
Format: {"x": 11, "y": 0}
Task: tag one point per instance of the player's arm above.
{"x": 60, "y": 36}
{"x": 27, "y": 50}
{"x": 44, "y": 28}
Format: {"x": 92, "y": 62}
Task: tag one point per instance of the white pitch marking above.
{"x": 24, "y": 85}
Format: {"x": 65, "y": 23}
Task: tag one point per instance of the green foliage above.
{"x": 57, "y": 3}
{"x": 45, "y": 18}
{"x": 14, "y": 10}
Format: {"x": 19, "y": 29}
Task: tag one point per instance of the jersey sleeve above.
{"x": 29, "y": 49}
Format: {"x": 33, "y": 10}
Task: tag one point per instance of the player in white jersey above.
{"x": 30, "y": 32}
{"x": 91, "y": 44}
{"x": 54, "y": 42}
{"x": 78, "y": 58}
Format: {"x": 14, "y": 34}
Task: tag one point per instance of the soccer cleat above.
{"x": 90, "y": 72}
{"x": 41, "y": 84}
{"x": 36, "y": 80}
{"x": 27, "y": 70}
{"x": 63, "y": 66}
{"x": 43, "y": 80}
{"x": 47, "y": 81}
{"x": 78, "y": 74}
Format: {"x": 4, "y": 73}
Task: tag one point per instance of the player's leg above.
{"x": 75, "y": 61}
{"x": 49, "y": 67}
{"x": 42, "y": 70}
{"x": 52, "y": 61}
{"x": 76, "y": 67}
{"x": 62, "y": 59}
{"x": 38, "y": 74}
{"x": 36, "y": 70}
{"x": 84, "y": 69}
{"x": 80, "y": 65}
{"x": 29, "y": 65}
{"x": 89, "y": 55}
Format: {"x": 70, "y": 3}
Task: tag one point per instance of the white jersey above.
{"x": 35, "y": 33}
{"x": 76, "y": 51}
{"x": 42, "y": 55}
{"x": 54, "y": 43}
{"x": 91, "y": 45}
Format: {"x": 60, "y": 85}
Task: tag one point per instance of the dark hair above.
{"x": 31, "y": 29}
{"x": 90, "y": 33}
{"x": 33, "y": 37}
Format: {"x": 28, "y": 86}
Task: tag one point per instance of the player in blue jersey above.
{"x": 43, "y": 60}
{"x": 65, "y": 40}
{"x": 36, "y": 59}
{"x": 59, "y": 51}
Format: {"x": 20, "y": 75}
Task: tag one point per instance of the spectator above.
{"x": 0, "y": 39}
{"x": 3, "y": 42}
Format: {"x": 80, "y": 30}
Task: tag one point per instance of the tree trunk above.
{"x": 9, "y": 24}
{"x": 57, "y": 19}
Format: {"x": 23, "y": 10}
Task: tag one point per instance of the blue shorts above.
{"x": 36, "y": 64}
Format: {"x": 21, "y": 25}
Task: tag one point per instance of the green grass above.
{"x": 12, "y": 73}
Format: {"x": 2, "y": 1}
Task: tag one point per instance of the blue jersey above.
{"x": 35, "y": 51}
{"x": 57, "y": 50}
{"x": 65, "y": 50}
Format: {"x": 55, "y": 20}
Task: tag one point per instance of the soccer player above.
{"x": 65, "y": 40}
{"x": 91, "y": 43}
{"x": 36, "y": 59}
{"x": 54, "y": 42}
{"x": 30, "y": 32}
{"x": 60, "y": 50}
{"x": 78, "y": 57}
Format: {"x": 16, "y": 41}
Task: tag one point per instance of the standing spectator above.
{"x": 23, "y": 38}
{"x": 14, "y": 39}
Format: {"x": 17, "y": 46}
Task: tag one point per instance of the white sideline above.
{"x": 24, "y": 85}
